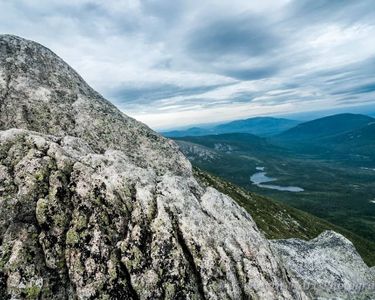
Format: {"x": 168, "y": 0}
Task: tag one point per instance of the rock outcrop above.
{"x": 328, "y": 267}
{"x": 40, "y": 92}
{"x": 94, "y": 205}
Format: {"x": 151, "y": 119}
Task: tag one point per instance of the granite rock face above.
{"x": 40, "y": 92}
{"x": 328, "y": 267}
{"x": 95, "y": 205}
{"x": 195, "y": 152}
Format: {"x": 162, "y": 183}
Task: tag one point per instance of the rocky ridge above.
{"x": 95, "y": 205}
{"x": 40, "y": 92}
{"x": 328, "y": 266}
{"x": 197, "y": 152}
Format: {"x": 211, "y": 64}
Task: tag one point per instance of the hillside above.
{"x": 348, "y": 138}
{"x": 360, "y": 143}
{"x": 262, "y": 126}
{"x": 347, "y": 201}
{"x": 325, "y": 127}
{"x": 279, "y": 221}
{"x": 232, "y": 142}
{"x": 194, "y": 131}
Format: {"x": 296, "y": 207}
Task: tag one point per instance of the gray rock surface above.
{"x": 40, "y": 92}
{"x": 328, "y": 267}
{"x": 195, "y": 152}
{"x": 94, "y": 205}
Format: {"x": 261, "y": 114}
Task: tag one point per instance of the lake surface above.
{"x": 260, "y": 178}
{"x": 369, "y": 169}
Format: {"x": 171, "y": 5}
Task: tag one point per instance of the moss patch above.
{"x": 32, "y": 292}
{"x": 72, "y": 237}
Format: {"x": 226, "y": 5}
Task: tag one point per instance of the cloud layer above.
{"x": 172, "y": 63}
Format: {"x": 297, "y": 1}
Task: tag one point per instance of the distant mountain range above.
{"x": 327, "y": 126}
{"x": 349, "y": 136}
{"x": 338, "y": 135}
{"x": 262, "y": 126}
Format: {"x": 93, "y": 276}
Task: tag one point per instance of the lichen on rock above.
{"x": 104, "y": 227}
{"x": 95, "y": 205}
{"x": 328, "y": 267}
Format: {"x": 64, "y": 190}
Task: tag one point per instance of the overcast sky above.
{"x": 176, "y": 62}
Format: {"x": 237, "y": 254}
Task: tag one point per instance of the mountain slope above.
{"x": 94, "y": 204}
{"x": 329, "y": 265}
{"x": 40, "y": 92}
{"x": 326, "y": 259}
{"x": 279, "y": 221}
{"x": 194, "y": 131}
{"x": 262, "y": 126}
{"x": 347, "y": 201}
{"x": 232, "y": 142}
{"x": 359, "y": 142}
{"x": 327, "y": 126}
{"x": 343, "y": 137}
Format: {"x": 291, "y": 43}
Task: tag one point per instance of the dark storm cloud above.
{"x": 225, "y": 45}
{"x": 244, "y": 35}
{"x": 251, "y": 73}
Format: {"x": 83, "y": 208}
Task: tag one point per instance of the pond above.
{"x": 259, "y": 178}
